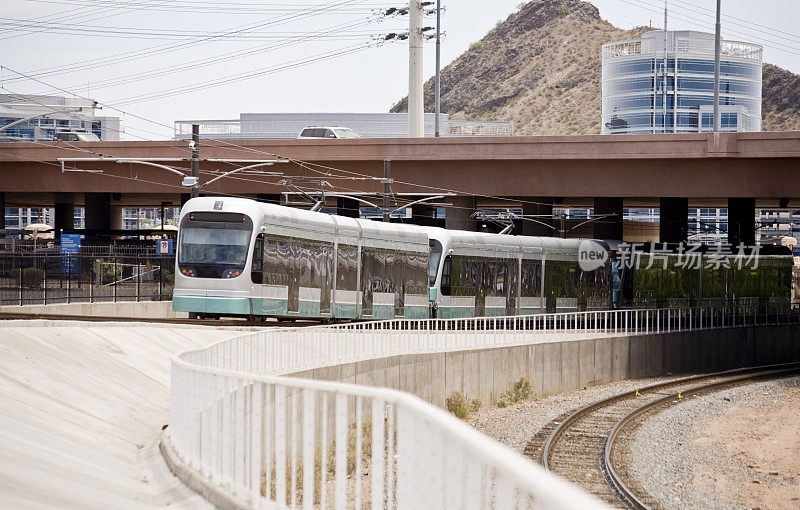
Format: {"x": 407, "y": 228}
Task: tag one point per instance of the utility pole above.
{"x": 438, "y": 107}
{"x": 664, "y": 98}
{"x": 717, "y": 43}
{"x": 387, "y": 189}
{"x": 196, "y": 159}
{"x": 416, "y": 126}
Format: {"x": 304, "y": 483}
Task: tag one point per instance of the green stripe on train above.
{"x": 210, "y": 304}
{"x": 309, "y": 308}
{"x": 346, "y": 310}
{"x": 415, "y": 312}
{"x": 456, "y": 312}
{"x": 270, "y": 306}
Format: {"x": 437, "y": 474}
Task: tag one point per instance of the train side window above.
{"x": 446, "y": 269}
{"x": 256, "y": 274}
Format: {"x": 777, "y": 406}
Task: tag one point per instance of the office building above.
{"x": 664, "y": 83}
{"x": 34, "y": 118}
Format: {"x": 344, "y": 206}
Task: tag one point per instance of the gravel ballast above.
{"x": 737, "y": 448}
{"x": 515, "y": 425}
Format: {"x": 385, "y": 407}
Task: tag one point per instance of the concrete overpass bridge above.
{"x": 740, "y": 171}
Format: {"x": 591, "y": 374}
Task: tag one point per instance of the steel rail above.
{"x": 627, "y": 495}
{"x": 174, "y": 320}
{"x": 563, "y": 426}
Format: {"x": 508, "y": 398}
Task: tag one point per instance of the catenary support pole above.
{"x": 387, "y": 188}
{"x": 196, "y": 159}
{"x": 717, "y": 43}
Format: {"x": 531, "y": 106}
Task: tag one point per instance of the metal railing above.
{"x": 299, "y": 442}
{"x": 53, "y": 279}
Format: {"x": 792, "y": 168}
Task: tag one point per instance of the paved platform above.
{"x": 82, "y": 406}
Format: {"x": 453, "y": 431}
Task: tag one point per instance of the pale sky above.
{"x": 286, "y": 56}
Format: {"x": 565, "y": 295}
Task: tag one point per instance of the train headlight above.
{"x": 188, "y": 271}
{"x": 231, "y": 273}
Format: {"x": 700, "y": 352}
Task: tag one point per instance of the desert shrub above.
{"x": 519, "y": 391}
{"x": 461, "y": 405}
{"x": 107, "y": 272}
{"x": 32, "y": 277}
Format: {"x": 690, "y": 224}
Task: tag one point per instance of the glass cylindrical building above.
{"x": 664, "y": 83}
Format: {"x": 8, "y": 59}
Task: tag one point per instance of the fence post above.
{"x": 91, "y": 281}
{"x": 160, "y": 277}
{"x": 20, "y": 281}
{"x": 45, "y": 283}
{"x": 114, "y": 279}
{"x": 69, "y": 278}
{"x": 138, "y": 279}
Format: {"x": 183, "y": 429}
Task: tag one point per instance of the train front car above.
{"x": 214, "y": 257}
{"x": 237, "y": 257}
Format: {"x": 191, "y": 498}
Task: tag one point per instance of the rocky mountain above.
{"x": 780, "y": 100}
{"x": 541, "y": 69}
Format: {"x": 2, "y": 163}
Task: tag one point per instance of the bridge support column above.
{"x": 674, "y": 220}
{"x": 64, "y": 212}
{"x": 541, "y": 208}
{"x": 2, "y": 212}
{"x": 347, "y": 207}
{"x": 269, "y": 198}
{"x": 422, "y": 214}
{"x": 98, "y": 214}
{"x": 459, "y": 215}
{"x": 742, "y": 221}
{"x": 610, "y": 227}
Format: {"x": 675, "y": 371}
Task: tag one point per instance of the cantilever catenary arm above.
{"x": 249, "y": 167}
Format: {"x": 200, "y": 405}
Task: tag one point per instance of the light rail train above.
{"x": 239, "y": 257}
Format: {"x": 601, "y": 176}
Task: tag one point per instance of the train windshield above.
{"x": 433, "y": 261}
{"x": 214, "y": 245}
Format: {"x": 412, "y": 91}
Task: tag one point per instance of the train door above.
{"x": 511, "y": 279}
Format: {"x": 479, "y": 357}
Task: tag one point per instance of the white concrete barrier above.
{"x": 150, "y": 309}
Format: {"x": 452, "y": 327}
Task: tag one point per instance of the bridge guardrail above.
{"x": 261, "y": 437}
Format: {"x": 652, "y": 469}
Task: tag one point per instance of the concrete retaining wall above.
{"x": 562, "y": 366}
{"x": 150, "y": 309}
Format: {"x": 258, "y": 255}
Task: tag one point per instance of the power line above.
{"x": 80, "y": 16}
{"x": 128, "y": 56}
{"x": 709, "y": 26}
{"x": 749, "y": 22}
{"x": 147, "y": 33}
{"x": 226, "y": 57}
{"x": 245, "y": 76}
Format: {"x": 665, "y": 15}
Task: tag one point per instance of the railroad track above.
{"x": 201, "y": 322}
{"x": 582, "y": 446}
